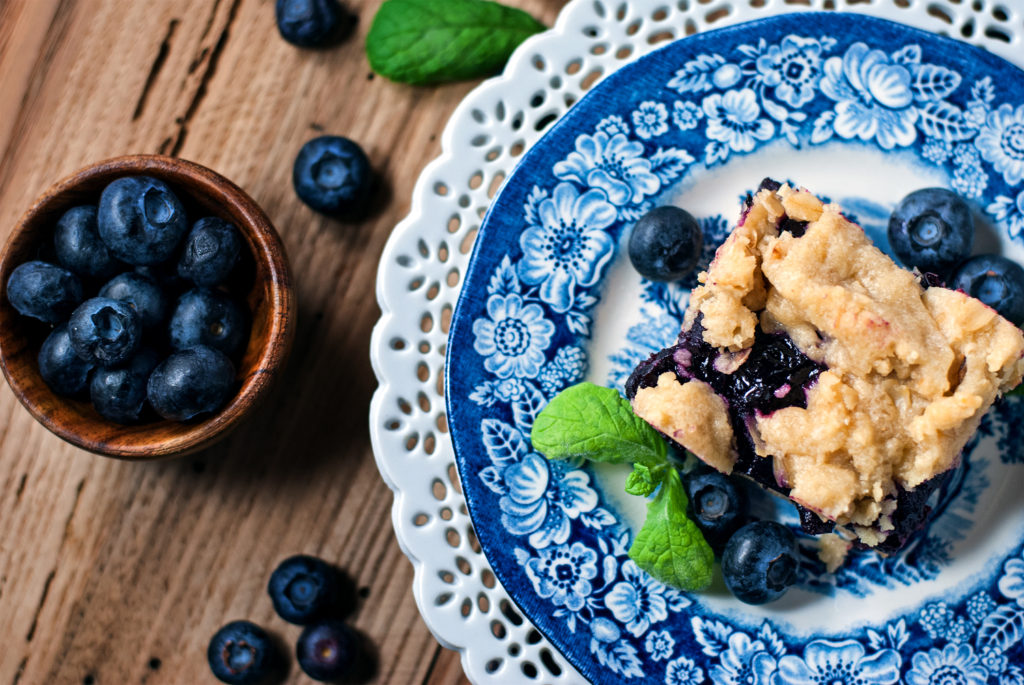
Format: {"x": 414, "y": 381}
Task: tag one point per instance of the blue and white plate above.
{"x": 859, "y": 110}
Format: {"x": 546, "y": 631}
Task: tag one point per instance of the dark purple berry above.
{"x": 141, "y": 220}
{"x": 119, "y": 393}
{"x": 996, "y": 281}
{"x": 79, "y": 247}
{"x": 105, "y": 332}
{"x": 665, "y": 244}
{"x": 327, "y": 651}
{"x": 760, "y": 562}
{"x": 63, "y": 370}
{"x": 717, "y": 505}
{"x": 931, "y": 229}
{"x": 303, "y": 589}
{"x": 208, "y": 317}
{"x": 210, "y": 252}
{"x": 241, "y": 653}
{"x": 332, "y": 175}
{"x": 44, "y": 291}
{"x": 191, "y": 382}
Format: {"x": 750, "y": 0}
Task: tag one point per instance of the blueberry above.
{"x": 63, "y": 370}
{"x": 665, "y": 244}
{"x": 309, "y": 23}
{"x": 760, "y": 562}
{"x": 191, "y": 382}
{"x": 141, "y": 220}
{"x": 207, "y": 317}
{"x": 119, "y": 393}
{"x": 105, "y": 331}
{"x": 327, "y": 651}
{"x": 931, "y": 229}
{"x": 996, "y": 281}
{"x": 142, "y": 293}
{"x": 331, "y": 174}
{"x": 303, "y": 589}
{"x": 241, "y": 653}
{"x": 211, "y": 250}
{"x": 79, "y": 247}
{"x": 44, "y": 291}
{"x": 718, "y": 506}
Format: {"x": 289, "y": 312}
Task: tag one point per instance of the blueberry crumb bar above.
{"x": 812, "y": 363}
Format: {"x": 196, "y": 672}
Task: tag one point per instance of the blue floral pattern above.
{"x": 952, "y": 664}
{"x": 1001, "y": 142}
{"x": 568, "y": 246}
{"x": 659, "y": 644}
{"x": 844, "y": 662}
{"x": 523, "y": 334}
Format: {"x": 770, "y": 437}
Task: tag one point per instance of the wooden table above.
{"x": 117, "y": 573}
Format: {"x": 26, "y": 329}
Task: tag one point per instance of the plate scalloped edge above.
{"x": 422, "y": 265}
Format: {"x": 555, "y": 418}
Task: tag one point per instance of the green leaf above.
{"x": 642, "y": 481}
{"x": 429, "y": 41}
{"x": 670, "y": 547}
{"x": 1016, "y": 392}
{"x": 586, "y": 421}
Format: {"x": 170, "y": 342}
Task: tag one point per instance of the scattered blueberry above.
{"x": 191, "y": 382}
{"x": 760, "y": 561}
{"x": 309, "y": 23}
{"x": 327, "y": 651}
{"x": 719, "y": 507}
{"x": 211, "y": 251}
{"x": 665, "y": 244}
{"x": 303, "y": 589}
{"x": 331, "y": 174}
{"x": 141, "y": 220}
{"x": 79, "y": 247}
{"x": 142, "y": 293}
{"x": 996, "y": 281}
{"x": 207, "y": 317}
{"x": 63, "y": 370}
{"x": 105, "y": 331}
{"x": 44, "y": 291}
{"x": 931, "y": 229}
{"x": 241, "y": 653}
{"x": 119, "y": 393}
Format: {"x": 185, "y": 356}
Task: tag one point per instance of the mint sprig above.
{"x": 586, "y": 421}
{"x": 669, "y": 546}
{"x": 643, "y": 481}
{"x": 430, "y": 41}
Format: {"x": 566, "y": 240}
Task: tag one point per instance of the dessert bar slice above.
{"x": 812, "y": 363}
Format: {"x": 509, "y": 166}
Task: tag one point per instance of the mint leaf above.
{"x": 670, "y": 547}
{"x": 642, "y": 481}
{"x": 428, "y": 41}
{"x": 586, "y": 421}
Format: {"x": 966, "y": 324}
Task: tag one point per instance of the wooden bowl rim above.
{"x": 269, "y": 251}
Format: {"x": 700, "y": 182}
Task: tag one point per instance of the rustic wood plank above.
{"x": 113, "y": 572}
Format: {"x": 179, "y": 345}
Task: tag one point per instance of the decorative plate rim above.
{"x": 573, "y": 15}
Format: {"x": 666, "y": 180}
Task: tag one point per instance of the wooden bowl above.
{"x": 269, "y": 298}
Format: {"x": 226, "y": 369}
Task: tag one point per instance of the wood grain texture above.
{"x": 114, "y": 572}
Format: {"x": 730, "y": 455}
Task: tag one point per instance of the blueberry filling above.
{"x": 797, "y": 228}
{"x": 774, "y": 375}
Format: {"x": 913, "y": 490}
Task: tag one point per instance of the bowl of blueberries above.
{"x": 145, "y": 307}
